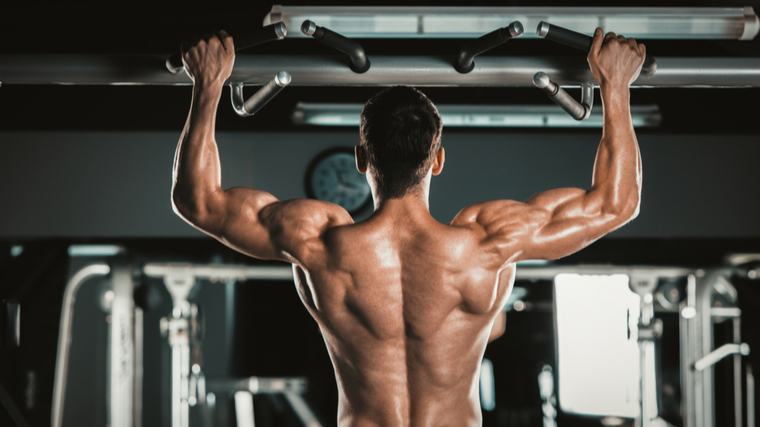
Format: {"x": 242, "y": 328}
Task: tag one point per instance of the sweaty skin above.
{"x": 405, "y": 303}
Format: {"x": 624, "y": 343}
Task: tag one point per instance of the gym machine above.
{"x": 709, "y": 299}
{"x": 182, "y": 329}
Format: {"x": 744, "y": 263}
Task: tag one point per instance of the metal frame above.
{"x": 471, "y": 20}
{"x": 292, "y": 388}
{"x": 490, "y": 71}
{"x": 180, "y": 280}
{"x": 64, "y": 336}
{"x": 578, "y": 110}
{"x": 697, "y": 317}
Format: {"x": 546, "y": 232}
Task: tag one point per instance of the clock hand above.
{"x": 337, "y": 172}
{"x": 352, "y": 185}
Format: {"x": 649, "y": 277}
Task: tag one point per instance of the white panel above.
{"x": 598, "y": 354}
{"x": 244, "y": 409}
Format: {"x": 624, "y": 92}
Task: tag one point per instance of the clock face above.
{"x": 333, "y": 177}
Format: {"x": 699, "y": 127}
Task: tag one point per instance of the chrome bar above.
{"x": 549, "y": 272}
{"x": 703, "y": 338}
{"x": 579, "y": 111}
{"x": 687, "y": 328}
{"x": 259, "y": 385}
{"x": 222, "y": 273}
{"x": 717, "y": 355}
{"x": 259, "y": 99}
{"x": 737, "y": 362}
{"x": 490, "y": 71}
{"x": 750, "y": 397}
{"x": 732, "y": 312}
{"x": 121, "y": 349}
{"x": 64, "y": 336}
{"x": 435, "y": 21}
{"x": 138, "y": 368}
{"x": 301, "y": 408}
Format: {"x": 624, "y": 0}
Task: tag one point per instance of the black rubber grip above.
{"x": 466, "y": 60}
{"x": 270, "y": 32}
{"x": 359, "y": 61}
{"x": 583, "y": 42}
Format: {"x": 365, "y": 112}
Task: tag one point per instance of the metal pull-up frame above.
{"x": 330, "y": 70}
{"x": 423, "y": 71}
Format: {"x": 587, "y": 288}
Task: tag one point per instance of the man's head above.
{"x": 400, "y": 137}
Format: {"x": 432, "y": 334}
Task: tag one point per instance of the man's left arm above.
{"x": 248, "y": 220}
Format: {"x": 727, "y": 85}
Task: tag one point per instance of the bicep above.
{"x": 549, "y": 225}
{"x": 568, "y": 220}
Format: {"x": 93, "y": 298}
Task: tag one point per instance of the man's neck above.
{"x": 412, "y": 204}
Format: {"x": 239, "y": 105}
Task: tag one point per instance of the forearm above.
{"x": 617, "y": 170}
{"x": 197, "y": 172}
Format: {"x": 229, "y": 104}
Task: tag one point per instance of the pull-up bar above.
{"x": 423, "y": 71}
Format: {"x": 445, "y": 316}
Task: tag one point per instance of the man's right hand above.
{"x": 615, "y": 61}
{"x": 209, "y": 59}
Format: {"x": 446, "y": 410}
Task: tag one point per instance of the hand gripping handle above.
{"x": 275, "y": 31}
{"x": 583, "y": 42}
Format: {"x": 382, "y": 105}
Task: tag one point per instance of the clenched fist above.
{"x": 209, "y": 59}
{"x": 615, "y": 60}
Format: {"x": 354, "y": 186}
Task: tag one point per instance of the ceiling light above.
{"x": 95, "y": 250}
{"x": 538, "y": 116}
{"x": 463, "y": 22}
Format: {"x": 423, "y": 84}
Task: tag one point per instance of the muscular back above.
{"x": 406, "y": 305}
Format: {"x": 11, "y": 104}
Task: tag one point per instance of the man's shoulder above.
{"x": 322, "y": 215}
{"x": 484, "y": 214}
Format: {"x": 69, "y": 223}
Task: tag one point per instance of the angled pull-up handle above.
{"x": 275, "y": 31}
{"x": 583, "y": 42}
{"x": 265, "y": 94}
{"x": 579, "y": 111}
{"x": 359, "y": 61}
{"x": 718, "y": 354}
{"x": 466, "y": 60}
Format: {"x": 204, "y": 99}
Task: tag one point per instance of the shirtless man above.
{"x": 404, "y": 302}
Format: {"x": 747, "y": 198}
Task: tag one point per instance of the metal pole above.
{"x": 687, "y": 331}
{"x": 750, "y": 397}
{"x": 121, "y": 344}
{"x": 490, "y": 71}
{"x": 138, "y": 368}
{"x": 737, "y": 374}
{"x": 64, "y": 336}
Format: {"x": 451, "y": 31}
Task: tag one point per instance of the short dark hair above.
{"x": 400, "y": 129}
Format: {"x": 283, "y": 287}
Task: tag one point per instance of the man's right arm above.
{"x": 558, "y": 222}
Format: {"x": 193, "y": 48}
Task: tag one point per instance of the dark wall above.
{"x": 117, "y": 184}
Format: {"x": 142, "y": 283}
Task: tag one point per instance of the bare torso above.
{"x": 406, "y": 305}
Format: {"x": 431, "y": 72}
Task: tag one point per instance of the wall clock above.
{"x": 332, "y": 177}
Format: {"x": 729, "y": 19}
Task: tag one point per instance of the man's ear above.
{"x": 440, "y": 158}
{"x": 361, "y": 159}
